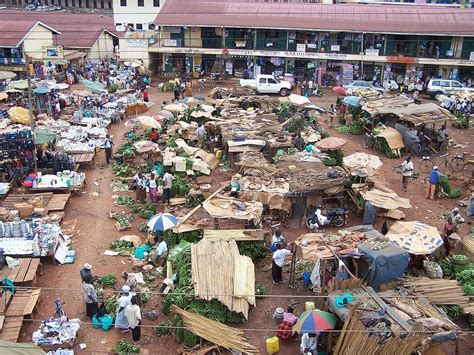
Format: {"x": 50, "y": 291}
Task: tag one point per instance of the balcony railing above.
{"x": 12, "y": 61}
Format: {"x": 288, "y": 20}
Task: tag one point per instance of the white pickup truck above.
{"x": 268, "y": 84}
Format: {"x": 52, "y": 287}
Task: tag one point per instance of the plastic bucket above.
{"x": 307, "y": 278}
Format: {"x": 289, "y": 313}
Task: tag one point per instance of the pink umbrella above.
{"x": 159, "y": 118}
{"x": 166, "y": 114}
{"x": 339, "y": 90}
{"x": 331, "y": 143}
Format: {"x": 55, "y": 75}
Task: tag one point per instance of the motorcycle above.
{"x": 331, "y": 216}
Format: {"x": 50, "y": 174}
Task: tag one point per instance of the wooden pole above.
{"x": 195, "y": 209}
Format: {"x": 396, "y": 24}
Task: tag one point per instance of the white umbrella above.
{"x": 162, "y": 222}
{"x": 415, "y": 237}
{"x": 149, "y": 122}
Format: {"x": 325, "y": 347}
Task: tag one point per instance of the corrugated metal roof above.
{"x": 77, "y": 30}
{"x": 325, "y": 17}
{"x": 13, "y": 32}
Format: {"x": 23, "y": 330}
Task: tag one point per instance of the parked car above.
{"x": 268, "y": 84}
{"x": 362, "y": 84}
{"x": 436, "y": 87}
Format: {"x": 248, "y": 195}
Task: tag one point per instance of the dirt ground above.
{"x": 94, "y": 232}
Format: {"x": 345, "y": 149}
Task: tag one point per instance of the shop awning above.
{"x": 44, "y": 136}
{"x": 74, "y": 55}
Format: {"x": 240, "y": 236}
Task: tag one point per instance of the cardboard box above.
{"x": 24, "y": 209}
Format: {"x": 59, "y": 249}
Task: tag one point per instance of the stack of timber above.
{"x": 220, "y": 272}
{"x": 438, "y": 291}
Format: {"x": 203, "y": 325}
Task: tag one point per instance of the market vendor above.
{"x": 277, "y": 238}
{"x": 201, "y": 135}
{"x": 299, "y": 142}
{"x": 161, "y": 252}
{"x": 90, "y": 298}
{"x": 235, "y": 185}
{"x": 132, "y": 282}
{"x": 456, "y": 216}
{"x": 309, "y": 344}
{"x": 139, "y": 182}
{"x": 86, "y": 273}
{"x": 120, "y": 318}
{"x": 278, "y": 261}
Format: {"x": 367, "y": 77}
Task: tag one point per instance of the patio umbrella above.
{"x": 175, "y": 107}
{"x": 4, "y": 75}
{"x": 415, "y": 237}
{"x": 314, "y": 321}
{"x": 352, "y": 101}
{"x": 3, "y": 96}
{"x": 331, "y": 143}
{"x": 149, "y": 122}
{"x": 162, "y": 222}
{"x": 159, "y": 118}
{"x": 166, "y": 114}
{"x": 134, "y": 122}
{"x": 136, "y": 108}
{"x": 339, "y": 90}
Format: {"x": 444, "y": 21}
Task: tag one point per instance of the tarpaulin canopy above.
{"x": 19, "y": 115}
{"x": 44, "y": 136}
{"x": 367, "y": 162}
{"x": 415, "y": 237}
{"x": 149, "y": 122}
{"x": 4, "y": 75}
{"x": 41, "y": 90}
{"x": 331, "y": 143}
{"x": 94, "y": 87}
{"x": 385, "y": 200}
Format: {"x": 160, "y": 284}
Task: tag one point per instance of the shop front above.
{"x": 270, "y": 65}
{"x": 242, "y": 67}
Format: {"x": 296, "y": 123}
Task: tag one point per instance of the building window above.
{"x": 156, "y": 3}
{"x": 95, "y": 4}
{"x": 123, "y": 2}
{"x": 109, "y": 4}
{"x": 141, "y": 3}
{"x": 139, "y": 26}
{"x": 66, "y": 3}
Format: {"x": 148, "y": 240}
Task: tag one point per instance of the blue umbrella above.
{"x": 162, "y": 222}
{"x": 352, "y": 101}
{"x": 41, "y": 90}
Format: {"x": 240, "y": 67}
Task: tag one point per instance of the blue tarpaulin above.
{"x": 386, "y": 264}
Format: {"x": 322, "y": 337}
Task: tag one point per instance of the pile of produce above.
{"x": 193, "y": 200}
{"x": 453, "y": 311}
{"x": 335, "y": 158}
{"x": 173, "y": 239}
{"x": 343, "y": 129}
{"x": 121, "y": 169}
{"x": 123, "y": 219}
{"x": 183, "y": 298}
{"x": 163, "y": 328}
{"x": 443, "y": 185}
{"x": 460, "y": 269}
{"x": 125, "y": 347}
{"x": 255, "y": 250}
{"x": 285, "y": 110}
{"x": 124, "y": 201}
{"x": 123, "y": 247}
{"x": 460, "y": 121}
{"x": 111, "y": 304}
{"x": 108, "y": 280}
{"x": 180, "y": 187}
{"x": 356, "y": 128}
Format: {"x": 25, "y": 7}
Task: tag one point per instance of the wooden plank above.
{"x": 2, "y": 320}
{"x": 193, "y": 211}
{"x": 12, "y": 199}
{"x": 234, "y": 234}
{"x": 5, "y": 301}
{"x": 24, "y": 266}
{"x": 58, "y": 202}
{"x": 11, "y": 328}
{"x": 15, "y": 271}
{"x": 31, "y": 304}
{"x": 33, "y": 269}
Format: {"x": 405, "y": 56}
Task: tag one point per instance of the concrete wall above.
{"x": 134, "y": 48}
{"x": 36, "y": 40}
{"x": 103, "y": 48}
{"x": 134, "y": 14}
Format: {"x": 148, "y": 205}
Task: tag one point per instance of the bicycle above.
{"x": 374, "y": 143}
{"x": 455, "y": 164}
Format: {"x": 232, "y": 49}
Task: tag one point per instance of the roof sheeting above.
{"x": 77, "y": 30}
{"x": 14, "y": 31}
{"x": 324, "y": 17}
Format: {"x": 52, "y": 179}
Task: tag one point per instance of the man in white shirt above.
{"x": 201, "y": 135}
{"x": 309, "y": 343}
{"x": 167, "y": 184}
{"x": 108, "y": 148}
{"x": 161, "y": 251}
{"x": 407, "y": 171}
{"x": 134, "y": 318}
{"x": 278, "y": 261}
{"x": 277, "y": 238}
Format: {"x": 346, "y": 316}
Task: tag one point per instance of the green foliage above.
{"x": 386, "y": 149}
{"x": 180, "y": 187}
{"x": 193, "y": 200}
{"x": 324, "y": 134}
{"x": 297, "y": 123}
{"x": 335, "y": 158}
{"x": 121, "y": 169}
{"x": 108, "y": 280}
{"x": 173, "y": 239}
{"x": 456, "y": 193}
{"x": 111, "y": 305}
{"x": 146, "y": 214}
{"x": 253, "y": 249}
{"x": 171, "y": 142}
{"x": 260, "y": 290}
{"x": 122, "y": 246}
{"x": 453, "y": 310}
{"x": 125, "y": 347}
{"x": 285, "y": 110}
{"x": 460, "y": 121}
{"x": 343, "y": 129}
{"x": 124, "y": 201}
{"x": 112, "y": 88}
{"x": 356, "y": 128}
{"x": 163, "y": 328}
{"x": 444, "y": 185}
{"x": 341, "y": 119}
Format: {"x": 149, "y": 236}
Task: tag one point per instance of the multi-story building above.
{"x": 138, "y": 14}
{"x": 322, "y": 41}
{"x": 73, "y": 5}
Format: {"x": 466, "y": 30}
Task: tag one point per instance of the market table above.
{"x": 52, "y": 202}
{"x": 24, "y": 274}
{"x": 84, "y": 159}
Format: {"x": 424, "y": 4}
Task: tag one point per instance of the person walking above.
{"x": 161, "y": 252}
{"x": 152, "y": 186}
{"x": 201, "y": 135}
{"x": 331, "y": 113}
{"x": 145, "y": 95}
{"x": 167, "y": 185}
{"x": 90, "y": 298}
{"x": 108, "y": 148}
{"x": 140, "y": 194}
{"x": 278, "y": 261}
{"x": 121, "y": 321}
{"x": 134, "y": 319}
{"x": 407, "y": 172}
{"x": 154, "y": 135}
{"x": 432, "y": 182}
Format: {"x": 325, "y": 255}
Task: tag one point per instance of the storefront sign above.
{"x": 401, "y": 60}
{"x": 301, "y": 47}
{"x": 372, "y": 52}
{"x": 53, "y": 53}
{"x": 171, "y": 29}
{"x": 136, "y": 42}
{"x": 335, "y": 48}
{"x": 240, "y": 44}
{"x": 170, "y": 42}
{"x": 12, "y": 68}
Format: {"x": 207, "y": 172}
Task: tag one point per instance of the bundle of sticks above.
{"x": 215, "y": 332}
{"x": 438, "y": 291}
